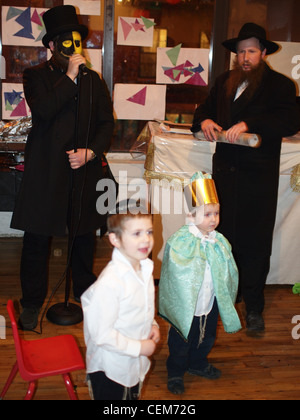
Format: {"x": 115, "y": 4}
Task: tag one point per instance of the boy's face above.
{"x": 207, "y": 218}
{"x": 136, "y": 241}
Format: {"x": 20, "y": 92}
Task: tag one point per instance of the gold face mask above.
{"x": 69, "y": 44}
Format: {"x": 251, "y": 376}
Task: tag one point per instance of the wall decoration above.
{"x": 22, "y": 26}
{"x": 182, "y": 66}
{"x": 14, "y": 105}
{"x": 135, "y": 31}
{"x": 86, "y": 7}
{"x": 139, "y": 102}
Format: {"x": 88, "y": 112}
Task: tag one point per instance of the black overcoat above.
{"x": 43, "y": 202}
{"x": 247, "y": 178}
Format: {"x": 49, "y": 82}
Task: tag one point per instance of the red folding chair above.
{"x": 37, "y": 359}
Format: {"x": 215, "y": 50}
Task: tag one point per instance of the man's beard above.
{"x": 238, "y": 76}
{"x": 60, "y": 61}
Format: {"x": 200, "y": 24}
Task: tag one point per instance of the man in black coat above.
{"x": 72, "y": 126}
{"x": 255, "y": 99}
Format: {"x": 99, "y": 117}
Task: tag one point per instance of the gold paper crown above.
{"x": 200, "y": 192}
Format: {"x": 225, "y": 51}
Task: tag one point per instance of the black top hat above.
{"x": 251, "y": 30}
{"x": 61, "y": 19}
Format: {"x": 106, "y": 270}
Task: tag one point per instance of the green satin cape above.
{"x": 182, "y": 274}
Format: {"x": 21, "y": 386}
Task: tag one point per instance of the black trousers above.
{"x": 106, "y": 389}
{"x": 253, "y": 272}
{"x": 189, "y": 354}
{"x": 34, "y": 267}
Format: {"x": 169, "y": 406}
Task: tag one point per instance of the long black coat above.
{"x": 44, "y": 198}
{"x": 246, "y": 178}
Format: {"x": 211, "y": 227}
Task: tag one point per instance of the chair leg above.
{"x": 30, "y": 390}
{"x": 12, "y": 374}
{"x": 69, "y": 387}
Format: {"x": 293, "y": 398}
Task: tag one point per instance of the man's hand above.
{"x": 233, "y": 133}
{"x": 208, "y": 128}
{"x": 73, "y": 68}
{"x": 80, "y": 158}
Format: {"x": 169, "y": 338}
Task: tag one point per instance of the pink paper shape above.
{"x": 196, "y": 80}
{"x": 139, "y": 98}
{"x": 126, "y": 28}
{"x": 20, "y": 110}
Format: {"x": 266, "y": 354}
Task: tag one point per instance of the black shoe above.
{"x": 29, "y": 318}
{"x": 210, "y": 372}
{"x": 255, "y": 322}
{"x": 176, "y": 385}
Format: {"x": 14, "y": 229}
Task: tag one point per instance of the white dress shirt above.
{"x": 118, "y": 313}
{"x": 206, "y": 294}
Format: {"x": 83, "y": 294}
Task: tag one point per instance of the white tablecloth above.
{"x": 177, "y": 155}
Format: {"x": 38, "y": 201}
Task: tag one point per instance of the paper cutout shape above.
{"x": 173, "y": 54}
{"x": 135, "y": 31}
{"x": 14, "y": 105}
{"x": 188, "y": 63}
{"x": 139, "y": 102}
{"x": 22, "y": 26}
{"x": 126, "y": 27}
{"x": 148, "y": 22}
{"x": 139, "y": 98}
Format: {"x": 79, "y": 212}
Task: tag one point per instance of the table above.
{"x": 174, "y": 158}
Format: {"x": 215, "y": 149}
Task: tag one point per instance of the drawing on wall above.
{"x": 135, "y": 31}
{"x": 14, "y": 105}
{"x": 182, "y": 65}
{"x": 22, "y": 26}
{"x": 139, "y": 102}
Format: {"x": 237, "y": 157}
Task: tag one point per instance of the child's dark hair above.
{"x": 124, "y": 211}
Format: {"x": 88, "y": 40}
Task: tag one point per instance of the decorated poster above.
{"x": 135, "y": 31}
{"x": 139, "y": 102}
{"x": 182, "y": 66}
{"x": 22, "y": 26}
{"x": 86, "y": 7}
{"x": 14, "y": 105}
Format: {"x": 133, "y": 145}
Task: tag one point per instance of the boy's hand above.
{"x": 147, "y": 347}
{"x": 154, "y": 334}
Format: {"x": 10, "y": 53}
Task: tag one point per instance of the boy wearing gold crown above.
{"x": 199, "y": 281}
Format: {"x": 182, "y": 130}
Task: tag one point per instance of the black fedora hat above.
{"x": 61, "y": 19}
{"x": 251, "y": 30}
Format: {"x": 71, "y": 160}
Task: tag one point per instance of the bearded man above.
{"x": 255, "y": 99}
{"x": 72, "y": 126}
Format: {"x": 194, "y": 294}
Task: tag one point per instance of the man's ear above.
{"x": 114, "y": 239}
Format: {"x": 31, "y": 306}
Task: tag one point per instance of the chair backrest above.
{"x": 17, "y": 339}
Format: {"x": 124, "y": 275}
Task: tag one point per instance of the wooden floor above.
{"x": 266, "y": 368}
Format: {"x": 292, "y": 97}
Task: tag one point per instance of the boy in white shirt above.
{"x": 119, "y": 327}
{"x": 199, "y": 280}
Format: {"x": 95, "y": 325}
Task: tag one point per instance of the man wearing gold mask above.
{"x": 72, "y": 126}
